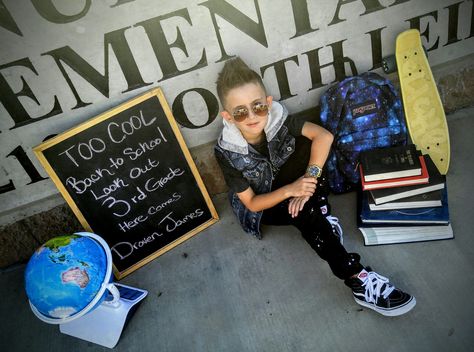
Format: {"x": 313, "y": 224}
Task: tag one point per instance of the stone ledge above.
{"x": 455, "y": 81}
{"x": 19, "y": 240}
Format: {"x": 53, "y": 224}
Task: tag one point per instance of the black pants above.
{"x": 317, "y": 231}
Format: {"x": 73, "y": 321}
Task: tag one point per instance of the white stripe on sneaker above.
{"x": 389, "y": 312}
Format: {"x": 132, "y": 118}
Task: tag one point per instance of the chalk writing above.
{"x": 144, "y": 147}
{"x": 153, "y": 184}
{"x": 80, "y": 186}
{"x": 172, "y": 224}
{"x": 119, "y": 132}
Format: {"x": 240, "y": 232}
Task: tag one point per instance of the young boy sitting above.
{"x": 273, "y": 166}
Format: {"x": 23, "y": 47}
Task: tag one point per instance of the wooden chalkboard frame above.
{"x": 155, "y": 93}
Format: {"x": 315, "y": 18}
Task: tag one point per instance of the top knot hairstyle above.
{"x": 235, "y": 73}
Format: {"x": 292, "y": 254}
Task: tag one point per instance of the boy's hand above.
{"x": 296, "y": 205}
{"x": 302, "y": 187}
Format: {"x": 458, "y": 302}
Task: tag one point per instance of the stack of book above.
{"x": 404, "y": 197}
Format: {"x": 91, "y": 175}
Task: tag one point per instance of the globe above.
{"x": 68, "y": 276}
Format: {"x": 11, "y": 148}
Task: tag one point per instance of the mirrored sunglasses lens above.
{"x": 260, "y": 109}
{"x": 240, "y": 115}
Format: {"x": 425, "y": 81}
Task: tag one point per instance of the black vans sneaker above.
{"x": 374, "y": 291}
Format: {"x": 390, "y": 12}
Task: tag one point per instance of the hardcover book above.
{"x": 424, "y": 200}
{"x": 436, "y": 182}
{"x": 396, "y": 182}
{"x": 430, "y": 215}
{"x": 388, "y": 163}
{"x": 389, "y": 235}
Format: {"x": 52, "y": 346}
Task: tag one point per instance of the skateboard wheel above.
{"x": 389, "y": 64}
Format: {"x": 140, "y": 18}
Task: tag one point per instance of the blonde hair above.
{"x": 235, "y": 73}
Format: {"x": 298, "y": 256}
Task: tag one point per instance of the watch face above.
{"x": 314, "y": 171}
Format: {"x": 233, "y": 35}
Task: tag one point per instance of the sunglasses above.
{"x": 242, "y": 113}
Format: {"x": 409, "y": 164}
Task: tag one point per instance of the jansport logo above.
{"x": 366, "y": 108}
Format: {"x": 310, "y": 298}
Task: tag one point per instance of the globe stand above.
{"x": 102, "y": 317}
{"x": 104, "y": 325}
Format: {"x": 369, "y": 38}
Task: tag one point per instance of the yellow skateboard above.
{"x": 424, "y": 112}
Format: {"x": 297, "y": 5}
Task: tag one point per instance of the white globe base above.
{"x": 103, "y": 326}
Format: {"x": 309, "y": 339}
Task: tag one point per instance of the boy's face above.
{"x": 249, "y": 97}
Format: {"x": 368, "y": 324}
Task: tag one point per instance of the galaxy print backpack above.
{"x": 362, "y": 112}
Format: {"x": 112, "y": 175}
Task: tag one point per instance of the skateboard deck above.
{"x": 424, "y": 112}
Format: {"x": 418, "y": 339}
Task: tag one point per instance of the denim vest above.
{"x": 257, "y": 169}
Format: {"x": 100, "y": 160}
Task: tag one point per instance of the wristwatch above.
{"x": 314, "y": 171}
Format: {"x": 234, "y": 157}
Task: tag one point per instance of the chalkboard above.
{"x": 129, "y": 177}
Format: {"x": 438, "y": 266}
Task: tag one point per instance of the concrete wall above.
{"x": 63, "y": 62}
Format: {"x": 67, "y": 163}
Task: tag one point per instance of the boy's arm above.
{"x": 321, "y": 143}
{"x": 302, "y": 187}
{"x": 321, "y": 140}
